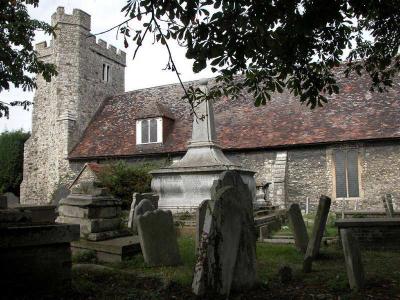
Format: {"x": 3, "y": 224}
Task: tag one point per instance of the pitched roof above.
{"x": 94, "y": 167}
{"x": 354, "y": 114}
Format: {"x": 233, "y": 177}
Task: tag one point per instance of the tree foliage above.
{"x": 18, "y": 60}
{"x": 11, "y": 160}
{"x": 123, "y": 179}
{"x": 275, "y": 44}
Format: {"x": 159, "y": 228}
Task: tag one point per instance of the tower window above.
{"x": 149, "y": 131}
{"x": 346, "y": 173}
{"x": 106, "y": 72}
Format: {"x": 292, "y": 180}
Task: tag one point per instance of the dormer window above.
{"x": 106, "y": 72}
{"x": 149, "y": 131}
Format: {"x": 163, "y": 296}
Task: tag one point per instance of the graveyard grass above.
{"x": 132, "y": 279}
{"x": 330, "y": 229}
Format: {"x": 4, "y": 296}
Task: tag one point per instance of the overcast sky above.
{"x": 144, "y": 71}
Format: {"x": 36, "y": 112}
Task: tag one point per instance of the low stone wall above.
{"x": 374, "y": 233}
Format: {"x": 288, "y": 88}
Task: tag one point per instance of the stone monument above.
{"x": 96, "y": 211}
{"x": 187, "y": 182}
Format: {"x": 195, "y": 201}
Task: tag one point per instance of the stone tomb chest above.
{"x": 97, "y": 213}
{"x": 374, "y": 233}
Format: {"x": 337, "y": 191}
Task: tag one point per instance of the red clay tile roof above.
{"x": 354, "y": 114}
{"x": 96, "y": 168}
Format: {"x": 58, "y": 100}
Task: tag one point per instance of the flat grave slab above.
{"x": 113, "y": 250}
{"x": 374, "y": 233}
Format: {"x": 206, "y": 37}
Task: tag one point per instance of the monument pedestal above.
{"x": 186, "y": 183}
{"x": 97, "y": 215}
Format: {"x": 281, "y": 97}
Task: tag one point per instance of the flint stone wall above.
{"x": 310, "y": 173}
{"x": 64, "y": 107}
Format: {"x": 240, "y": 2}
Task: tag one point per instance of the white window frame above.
{"x": 139, "y": 131}
{"x": 106, "y": 72}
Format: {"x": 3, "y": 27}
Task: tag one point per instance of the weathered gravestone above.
{"x": 352, "y": 255}
{"x": 227, "y": 252}
{"x": 298, "y": 227}
{"x": 200, "y": 216}
{"x": 158, "y": 239}
{"x": 317, "y": 233}
{"x": 388, "y": 204}
{"x": 144, "y": 205}
{"x": 12, "y": 200}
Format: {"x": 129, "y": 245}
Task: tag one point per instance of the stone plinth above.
{"x": 186, "y": 183}
{"x": 98, "y": 215}
{"x": 36, "y": 260}
{"x": 183, "y": 189}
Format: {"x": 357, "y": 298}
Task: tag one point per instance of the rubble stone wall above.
{"x": 64, "y": 107}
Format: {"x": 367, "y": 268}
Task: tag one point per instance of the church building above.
{"x": 348, "y": 150}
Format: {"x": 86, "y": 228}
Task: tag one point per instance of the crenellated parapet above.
{"x": 109, "y": 51}
{"x": 83, "y": 20}
{"x": 44, "y": 49}
{"x": 78, "y": 17}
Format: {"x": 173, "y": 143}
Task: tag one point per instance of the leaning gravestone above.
{"x": 352, "y": 255}
{"x": 317, "y": 233}
{"x": 298, "y": 227}
{"x": 144, "y": 205}
{"x": 157, "y": 238}
{"x": 388, "y": 204}
{"x": 227, "y": 256}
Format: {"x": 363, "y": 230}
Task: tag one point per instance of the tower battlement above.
{"x": 78, "y": 17}
{"x": 109, "y": 51}
{"x": 82, "y": 20}
{"x": 44, "y": 49}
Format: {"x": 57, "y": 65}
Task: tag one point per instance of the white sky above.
{"x": 144, "y": 71}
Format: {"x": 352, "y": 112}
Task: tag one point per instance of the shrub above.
{"x": 123, "y": 180}
{"x": 11, "y": 160}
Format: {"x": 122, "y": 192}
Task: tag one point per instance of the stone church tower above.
{"x": 88, "y": 72}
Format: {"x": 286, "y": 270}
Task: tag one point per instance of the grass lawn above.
{"x": 330, "y": 229}
{"x": 133, "y": 280}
